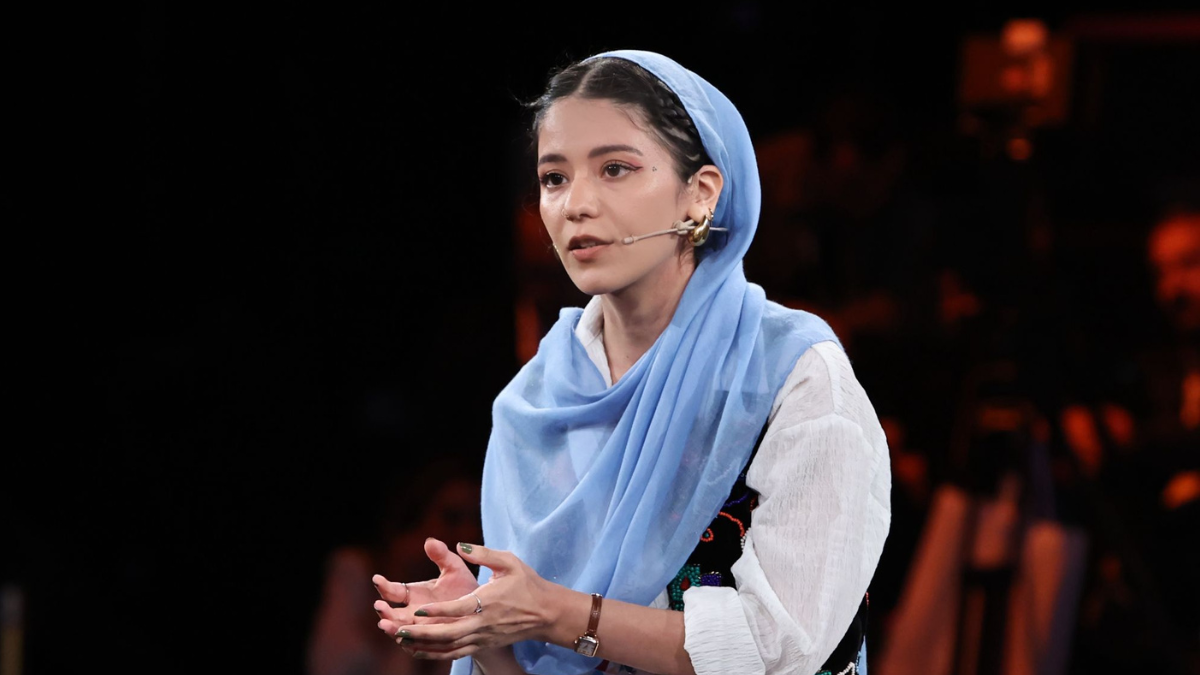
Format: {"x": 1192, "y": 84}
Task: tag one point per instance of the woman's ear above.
{"x": 705, "y": 189}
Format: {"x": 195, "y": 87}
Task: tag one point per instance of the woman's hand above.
{"x": 454, "y": 581}
{"x": 516, "y": 604}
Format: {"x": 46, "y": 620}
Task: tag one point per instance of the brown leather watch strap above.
{"x": 594, "y": 620}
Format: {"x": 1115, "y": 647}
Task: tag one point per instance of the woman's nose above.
{"x": 580, "y": 201}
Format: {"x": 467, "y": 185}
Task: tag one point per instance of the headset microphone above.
{"x": 699, "y": 233}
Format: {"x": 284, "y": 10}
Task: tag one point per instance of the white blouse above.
{"x": 824, "y": 482}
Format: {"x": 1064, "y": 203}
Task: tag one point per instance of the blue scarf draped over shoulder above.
{"x": 608, "y": 489}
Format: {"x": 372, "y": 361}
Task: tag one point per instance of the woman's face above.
{"x": 603, "y": 179}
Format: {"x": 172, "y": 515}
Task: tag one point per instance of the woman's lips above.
{"x": 588, "y": 253}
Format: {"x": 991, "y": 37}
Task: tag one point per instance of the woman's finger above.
{"x": 443, "y": 557}
{"x": 467, "y": 605}
{"x": 383, "y": 609}
{"x": 400, "y": 615}
{"x": 389, "y": 627}
{"x": 401, "y": 594}
{"x": 404, "y": 616}
{"x": 439, "y": 636}
{"x": 458, "y": 653}
{"x": 492, "y": 559}
{"x": 392, "y": 591}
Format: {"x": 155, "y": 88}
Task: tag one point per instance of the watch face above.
{"x": 587, "y": 645}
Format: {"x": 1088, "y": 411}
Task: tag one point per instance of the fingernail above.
{"x": 466, "y": 548}
{"x": 419, "y": 655}
{"x": 404, "y": 634}
{"x": 405, "y": 641}
{"x": 420, "y": 612}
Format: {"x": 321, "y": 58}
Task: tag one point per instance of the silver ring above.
{"x": 407, "y": 593}
{"x": 478, "y": 603}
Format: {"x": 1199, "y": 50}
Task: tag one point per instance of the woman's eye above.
{"x": 615, "y": 170}
{"x": 552, "y": 179}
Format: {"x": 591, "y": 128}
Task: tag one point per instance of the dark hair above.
{"x": 627, "y": 84}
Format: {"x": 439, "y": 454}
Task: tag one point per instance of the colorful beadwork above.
{"x": 688, "y": 576}
{"x": 850, "y": 669}
{"x": 741, "y": 527}
{"x": 720, "y": 545}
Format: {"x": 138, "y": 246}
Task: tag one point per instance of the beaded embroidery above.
{"x": 850, "y": 669}
{"x": 689, "y": 576}
{"x": 715, "y": 553}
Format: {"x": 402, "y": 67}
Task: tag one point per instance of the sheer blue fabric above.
{"x": 608, "y": 489}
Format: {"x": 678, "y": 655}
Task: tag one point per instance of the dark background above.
{"x": 313, "y": 294}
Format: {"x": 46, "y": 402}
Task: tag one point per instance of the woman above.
{"x": 614, "y": 484}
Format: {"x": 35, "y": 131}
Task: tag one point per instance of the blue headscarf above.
{"x": 608, "y": 489}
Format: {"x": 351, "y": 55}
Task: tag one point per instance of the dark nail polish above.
{"x": 420, "y": 612}
{"x": 419, "y": 655}
{"x": 466, "y": 548}
{"x": 407, "y": 641}
{"x": 404, "y": 634}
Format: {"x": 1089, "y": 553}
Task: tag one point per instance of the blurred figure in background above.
{"x": 1174, "y": 254}
{"x": 442, "y": 501}
{"x": 1173, "y": 430}
{"x": 1136, "y": 461}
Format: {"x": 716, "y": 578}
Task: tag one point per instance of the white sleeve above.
{"x": 824, "y": 482}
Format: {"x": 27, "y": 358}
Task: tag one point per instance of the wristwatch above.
{"x": 588, "y": 643}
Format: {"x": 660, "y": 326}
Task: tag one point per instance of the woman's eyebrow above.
{"x": 605, "y": 149}
{"x": 596, "y": 152}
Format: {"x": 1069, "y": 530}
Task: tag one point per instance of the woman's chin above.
{"x": 593, "y": 284}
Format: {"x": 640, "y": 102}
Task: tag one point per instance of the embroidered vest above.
{"x": 721, "y": 545}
